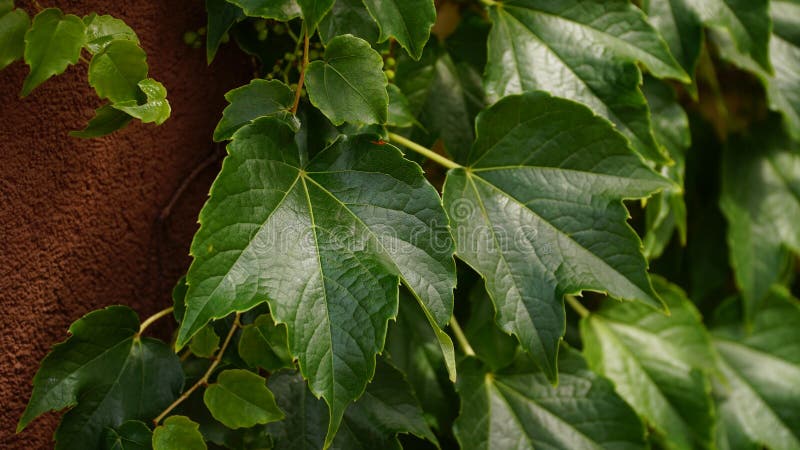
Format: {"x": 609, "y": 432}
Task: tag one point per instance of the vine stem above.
{"x": 461, "y": 337}
{"x": 202, "y": 381}
{"x": 302, "y": 79}
{"x": 577, "y": 306}
{"x": 430, "y": 154}
{"x": 149, "y": 321}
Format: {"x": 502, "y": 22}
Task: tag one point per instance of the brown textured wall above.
{"x": 78, "y": 228}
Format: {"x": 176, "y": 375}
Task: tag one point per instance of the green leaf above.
{"x": 282, "y": 10}
{"x": 106, "y": 120}
{"x": 240, "y": 399}
{"x": 115, "y": 72}
{"x": 399, "y": 113}
{"x": 583, "y": 50}
{"x": 13, "y": 25}
{"x": 156, "y": 109}
{"x": 538, "y": 213}
{"x": 264, "y": 344}
{"x": 313, "y": 12}
{"x": 325, "y": 243}
{"x": 495, "y": 348}
{"x": 102, "y": 30}
{"x": 178, "y": 433}
{"x": 681, "y": 27}
{"x": 221, "y": 16}
{"x": 408, "y": 21}
{"x": 348, "y": 17}
{"x": 178, "y": 299}
{"x": 205, "y": 343}
{"x": 131, "y": 435}
{"x": 518, "y": 408}
{"x": 260, "y": 98}
{"x": 657, "y": 364}
{"x": 388, "y": 408}
{"x": 747, "y": 23}
{"x": 53, "y": 42}
{"x": 761, "y": 200}
{"x": 348, "y": 85}
{"x": 108, "y": 373}
{"x": 760, "y": 391}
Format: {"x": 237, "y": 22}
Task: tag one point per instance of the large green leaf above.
{"x": 747, "y": 23}
{"x": 263, "y": 344}
{"x": 221, "y": 16}
{"x": 760, "y": 390}
{"x": 348, "y": 84}
{"x": 408, "y": 21}
{"x": 324, "y": 242}
{"x": 13, "y": 25}
{"x": 131, "y": 435}
{"x": 348, "y": 17}
{"x": 240, "y": 399}
{"x": 116, "y": 71}
{"x": 313, "y": 12}
{"x": 282, "y": 10}
{"x": 584, "y": 50}
{"x": 681, "y": 27}
{"x": 53, "y": 42}
{"x": 761, "y": 200}
{"x": 518, "y": 408}
{"x": 178, "y": 433}
{"x": 102, "y": 30}
{"x": 387, "y": 409}
{"x": 538, "y": 213}
{"x": 258, "y": 99}
{"x": 107, "y": 373}
{"x": 106, "y": 120}
{"x": 657, "y": 364}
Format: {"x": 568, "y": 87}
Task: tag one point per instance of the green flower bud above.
{"x": 201, "y": 31}
{"x": 262, "y": 35}
{"x": 189, "y": 37}
{"x": 391, "y": 62}
{"x": 390, "y": 74}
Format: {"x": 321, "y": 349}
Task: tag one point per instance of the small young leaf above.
{"x": 131, "y": 435}
{"x": 13, "y": 25}
{"x": 101, "y": 30}
{"x": 178, "y": 433}
{"x": 106, "y": 120}
{"x": 408, "y": 21}
{"x": 313, "y": 12}
{"x": 156, "y": 109}
{"x": 240, "y": 399}
{"x": 115, "y": 72}
{"x": 538, "y": 213}
{"x": 518, "y": 408}
{"x": 221, "y": 16}
{"x": 205, "y": 343}
{"x": 264, "y": 344}
{"x": 348, "y": 17}
{"x": 260, "y": 98}
{"x": 282, "y": 10}
{"x": 53, "y": 42}
{"x": 656, "y": 363}
{"x": 348, "y": 85}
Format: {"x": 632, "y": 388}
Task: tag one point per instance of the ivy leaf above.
{"x": 681, "y": 27}
{"x": 408, "y": 21}
{"x": 221, "y": 16}
{"x": 281, "y": 10}
{"x": 583, "y": 50}
{"x": 205, "y": 343}
{"x": 106, "y": 120}
{"x": 387, "y": 409}
{"x": 131, "y": 435}
{"x": 240, "y": 399}
{"x": 178, "y": 433}
{"x": 260, "y": 98}
{"x": 656, "y": 363}
{"x": 115, "y": 72}
{"x": 493, "y": 347}
{"x": 156, "y": 109}
{"x": 102, "y": 30}
{"x": 399, "y": 112}
{"x": 314, "y": 11}
{"x": 538, "y": 213}
{"x": 264, "y": 344}
{"x": 761, "y": 200}
{"x": 348, "y": 17}
{"x": 747, "y": 22}
{"x": 518, "y": 408}
{"x": 13, "y": 25}
{"x": 108, "y": 373}
{"x": 325, "y": 243}
{"x": 53, "y": 42}
{"x": 348, "y": 85}
{"x": 761, "y": 368}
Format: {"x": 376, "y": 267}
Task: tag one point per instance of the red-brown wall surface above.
{"x": 78, "y": 218}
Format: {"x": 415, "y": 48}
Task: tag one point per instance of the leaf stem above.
{"x": 461, "y": 337}
{"x": 149, "y": 321}
{"x": 430, "y": 154}
{"x": 577, "y": 306}
{"x": 202, "y": 381}
{"x": 302, "y": 79}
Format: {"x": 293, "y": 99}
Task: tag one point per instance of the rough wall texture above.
{"x": 78, "y": 219}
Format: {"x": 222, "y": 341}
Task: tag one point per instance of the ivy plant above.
{"x": 605, "y": 193}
